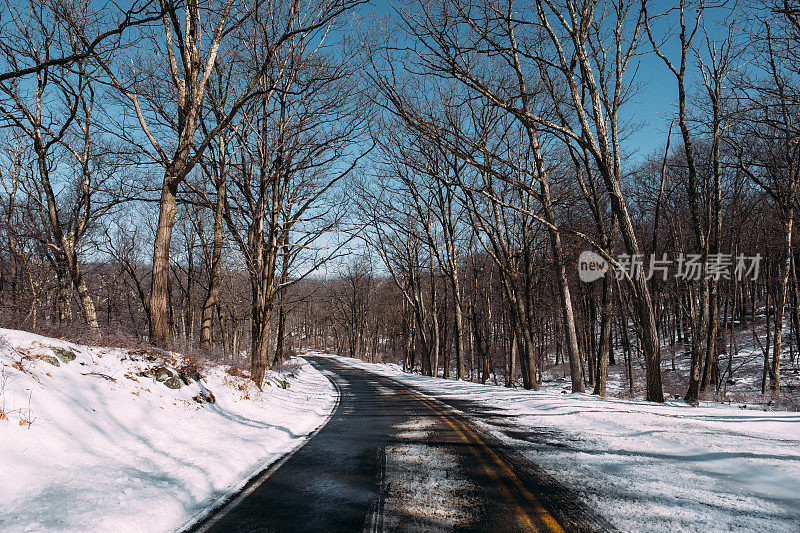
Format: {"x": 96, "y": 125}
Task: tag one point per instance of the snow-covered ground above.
{"x": 647, "y": 467}
{"x": 91, "y": 445}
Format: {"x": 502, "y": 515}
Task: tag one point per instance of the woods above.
{"x": 413, "y": 185}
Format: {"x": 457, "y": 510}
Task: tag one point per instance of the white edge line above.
{"x": 227, "y": 501}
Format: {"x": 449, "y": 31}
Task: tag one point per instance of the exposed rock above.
{"x": 174, "y": 383}
{"x": 66, "y": 355}
{"x": 282, "y": 383}
{"x": 189, "y": 375}
{"x": 50, "y": 359}
{"x": 162, "y": 374}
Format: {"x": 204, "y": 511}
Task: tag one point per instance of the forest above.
{"x": 413, "y": 182}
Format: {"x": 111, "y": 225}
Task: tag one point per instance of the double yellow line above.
{"x": 502, "y": 475}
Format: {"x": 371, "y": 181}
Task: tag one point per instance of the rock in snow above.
{"x": 64, "y": 354}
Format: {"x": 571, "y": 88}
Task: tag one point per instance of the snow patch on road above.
{"x": 415, "y": 428}
{"x": 89, "y": 445}
{"x": 424, "y": 492}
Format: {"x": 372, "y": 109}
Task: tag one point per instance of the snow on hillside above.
{"x": 105, "y": 443}
{"x": 643, "y": 466}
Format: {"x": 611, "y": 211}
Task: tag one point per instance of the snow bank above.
{"x": 91, "y": 445}
{"x": 646, "y": 467}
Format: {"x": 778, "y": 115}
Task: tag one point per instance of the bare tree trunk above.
{"x": 780, "y": 303}
{"x": 87, "y": 304}
{"x": 643, "y": 304}
{"x": 510, "y": 362}
{"x": 159, "y": 290}
{"x": 622, "y": 324}
{"x": 64, "y": 295}
{"x": 459, "y": 327}
{"x": 436, "y": 344}
{"x": 212, "y": 296}
{"x": 767, "y": 344}
{"x": 601, "y": 376}
{"x": 259, "y": 350}
{"x": 408, "y": 337}
{"x": 699, "y": 320}
{"x": 794, "y": 314}
{"x": 278, "y": 359}
{"x": 711, "y": 366}
{"x": 567, "y": 313}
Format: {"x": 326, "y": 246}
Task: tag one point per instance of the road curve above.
{"x": 391, "y": 459}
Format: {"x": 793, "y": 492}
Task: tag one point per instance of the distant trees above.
{"x": 351, "y": 301}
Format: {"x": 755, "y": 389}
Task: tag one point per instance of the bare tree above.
{"x": 167, "y": 100}
{"x": 292, "y": 151}
{"x": 765, "y": 138}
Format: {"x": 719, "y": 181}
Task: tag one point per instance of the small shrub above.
{"x": 292, "y": 367}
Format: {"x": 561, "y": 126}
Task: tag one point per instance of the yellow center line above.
{"x": 518, "y": 510}
{"x": 463, "y": 431}
{"x": 543, "y": 515}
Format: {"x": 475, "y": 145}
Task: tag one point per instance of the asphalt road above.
{"x": 390, "y": 459}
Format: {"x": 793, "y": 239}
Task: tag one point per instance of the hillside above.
{"x": 97, "y": 439}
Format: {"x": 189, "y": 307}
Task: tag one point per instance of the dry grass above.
{"x": 238, "y": 372}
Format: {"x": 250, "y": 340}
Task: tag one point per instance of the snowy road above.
{"x": 393, "y": 459}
